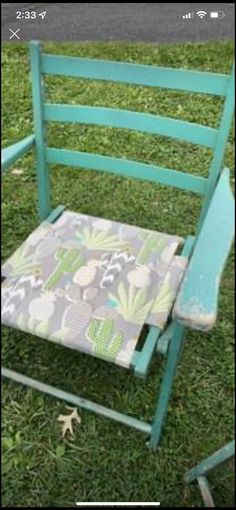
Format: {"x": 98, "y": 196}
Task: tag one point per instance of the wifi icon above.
{"x": 201, "y": 14}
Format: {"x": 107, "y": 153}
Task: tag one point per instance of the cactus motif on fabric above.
{"x": 131, "y": 303}
{"x": 165, "y": 296}
{"x": 68, "y": 261}
{"x": 21, "y": 263}
{"x": 94, "y": 239}
{"x": 152, "y": 243}
{"x": 105, "y": 340}
{"x": 91, "y": 284}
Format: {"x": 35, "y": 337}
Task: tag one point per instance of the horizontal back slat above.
{"x": 127, "y": 168}
{"x": 149, "y": 123}
{"x": 136, "y": 74}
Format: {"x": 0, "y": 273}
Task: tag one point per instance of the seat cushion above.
{"x": 91, "y": 284}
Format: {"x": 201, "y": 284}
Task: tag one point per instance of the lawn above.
{"x": 107, "y": 461}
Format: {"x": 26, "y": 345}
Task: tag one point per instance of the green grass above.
{"x": 106, "y": 461}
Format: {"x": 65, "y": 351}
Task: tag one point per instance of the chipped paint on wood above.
{"x": 197, "y": 301}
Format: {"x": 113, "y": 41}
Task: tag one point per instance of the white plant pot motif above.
{"x": 76, "y": 317}
{"x": 140, "y": 277}
{"x": 42, "y": 308}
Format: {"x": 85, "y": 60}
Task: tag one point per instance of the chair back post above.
{"x": 216, "y": 166}
{"x": 39, "y": 126}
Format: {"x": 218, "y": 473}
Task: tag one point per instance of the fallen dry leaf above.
{"x": 67, "y": 421}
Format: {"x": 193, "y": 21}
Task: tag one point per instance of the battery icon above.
{"x": 217, "y": 15}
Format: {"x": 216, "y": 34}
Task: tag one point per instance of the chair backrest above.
{"x": 146, "y": 75}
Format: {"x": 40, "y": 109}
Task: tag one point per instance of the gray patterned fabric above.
{"x": 166, "y": 290}
{"x": 91, "y": 284}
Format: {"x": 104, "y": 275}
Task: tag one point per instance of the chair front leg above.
{"x": 173, "y": 356}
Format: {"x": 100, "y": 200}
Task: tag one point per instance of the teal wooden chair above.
{"x": 200, "y": 472}
{"x": 136, "y": 276}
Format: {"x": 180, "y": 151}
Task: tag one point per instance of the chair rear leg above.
{"x": 166, "y": 385}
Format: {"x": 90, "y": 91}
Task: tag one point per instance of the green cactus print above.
{"x": 106, "y": 342}
{"x": 69, "y": 260}
{"x": 94, "y": 239}
{"x": 151, "y": 243}
{"x": 22, "y": 262}
{"x": 164, "y": 298}
{"x": 131, "y": 303}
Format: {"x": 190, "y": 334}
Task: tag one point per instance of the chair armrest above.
{"x": 196, "y": 303}
{"x": 15, "y": 151}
